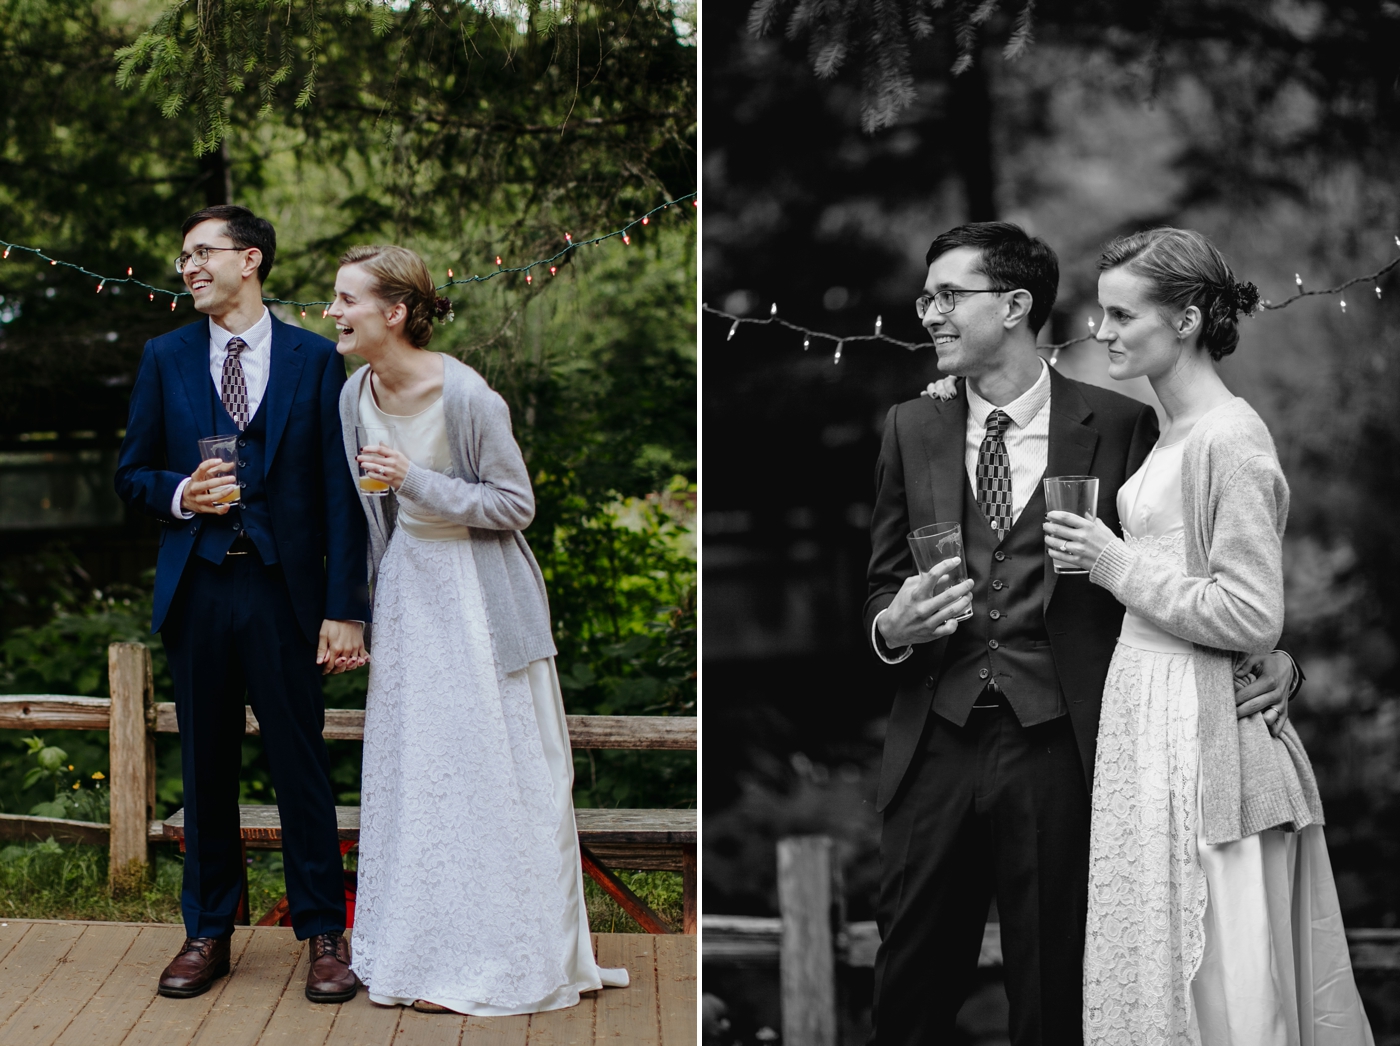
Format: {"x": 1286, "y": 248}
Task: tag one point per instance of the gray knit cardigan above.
{"x": 1230, "y": 600}
{"x": 487, "y": 489}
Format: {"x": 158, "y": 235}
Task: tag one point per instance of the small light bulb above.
{"x": 53, "y": 261}
{"x": 152, "y": 297}
{"x": 1298, "y": 279}
{"x": 6, "y": 254}
{"x": 1378, "y": 291}
{"x": 172, "y": 304}
{"x": 100, "y": 285}
{"x": 732, "y": 330}
{"x": 626, "y": 239}
{"x": 837, "y": 358}
{"x": 696, "y": 203}
{"x": 498, "y": 261}
{"x": 646, "y": 220}
{"x": 1344, "y": 305}
{"x": 303, "y": 314}
{"x": 128, "y": 270}
{"x": 879, "y": 322}
{"x": 568, "y": 238}
{"x": 529, "y": 278}
{"x": 449, "y": 274}
{"x": 773, "y": 309}
{"x": 324, "y": 313}
{"x": 552, "y": 270}
{"x": 806, "y": 344}
{"x": 1091, "y": 324}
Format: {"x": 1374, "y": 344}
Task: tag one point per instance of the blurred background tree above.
{"x": 463, "y": 131}
{"x": 1272, "y": 127}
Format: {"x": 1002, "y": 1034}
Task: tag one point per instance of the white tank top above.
{"x": 423, "y": 437}
{"x": 1149, "y": 504}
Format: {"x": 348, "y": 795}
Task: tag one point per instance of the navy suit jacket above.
{"x": 317, "y": 521}
{"x": 921, "y": 478}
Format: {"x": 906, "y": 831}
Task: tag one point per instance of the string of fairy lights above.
{"x": 553, "y": 263}
{"x": 842, "y": 340}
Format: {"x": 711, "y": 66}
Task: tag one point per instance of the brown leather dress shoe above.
{"x": 201, "y": 962}
{"x": 330, "y": 978}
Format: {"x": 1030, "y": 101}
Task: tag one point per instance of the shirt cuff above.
{"x": 175, "y": 509}
{"x": 878, "y": 642}
{"x": 1298, "y": 676}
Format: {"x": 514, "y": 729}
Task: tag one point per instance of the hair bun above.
{"x": 1246, "y": 298}
{"x": 442, "y": 309}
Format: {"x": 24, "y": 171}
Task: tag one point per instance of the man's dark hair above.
{"x": 244, "y": 228}
{"x": 1011, "y": 260}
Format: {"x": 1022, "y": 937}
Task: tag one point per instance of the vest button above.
{"x": 239, "y": 526}
{"x": 983, "y": 673}
{"x": 929, "y": 682}
{"x": 993, "y": 643}
{"x": 998, "y": 584}
{"x": 995, "y": 615}
{"x": 243, "y": 443}
{"x": 998, "y": 555}
{"x": 243, "y": 464}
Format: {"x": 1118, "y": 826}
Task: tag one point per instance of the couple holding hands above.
{"x": 1106, "y": 752}
{"x": 470, "y": 889}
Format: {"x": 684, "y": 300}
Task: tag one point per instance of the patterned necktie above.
{"x": 233, "y": 389}
{"x": 994, "y": 474}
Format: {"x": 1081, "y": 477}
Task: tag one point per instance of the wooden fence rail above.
{"x": 811, "y": 940}
{"x": 132, "y": 717}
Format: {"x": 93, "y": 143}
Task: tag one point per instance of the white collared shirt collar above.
{"x": 1022, "y": 409}
{"x": 257, "y": 337}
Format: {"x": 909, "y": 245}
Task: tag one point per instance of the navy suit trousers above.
{"x": 232, "y": 632}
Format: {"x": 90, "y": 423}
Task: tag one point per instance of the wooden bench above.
{"x": 632, "y": 839}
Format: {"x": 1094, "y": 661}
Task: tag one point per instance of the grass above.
{"x": 56, "y": 881}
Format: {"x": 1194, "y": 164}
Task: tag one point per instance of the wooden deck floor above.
{"x": 94, "y": 984}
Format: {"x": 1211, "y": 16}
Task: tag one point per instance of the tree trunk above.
{"x": 216, "y": 176}
{"x": 971, "y": 122}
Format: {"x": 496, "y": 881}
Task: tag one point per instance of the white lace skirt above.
{"x": 1237, "y": 944}
{"x": 470, "y": 888}
{"x": 1147, "y": 892}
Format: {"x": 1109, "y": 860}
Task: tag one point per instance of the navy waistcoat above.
{"x": 252, "y": 517}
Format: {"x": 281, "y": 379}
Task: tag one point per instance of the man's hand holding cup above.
{"x": 920, "y": 613}
{"x": 210, "y": 482}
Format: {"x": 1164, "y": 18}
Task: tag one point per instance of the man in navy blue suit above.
{"x": 256, "y": 600}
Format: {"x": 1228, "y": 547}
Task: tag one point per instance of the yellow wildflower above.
{"x": 99, "y": 776}
{"x": 77, "y": 785}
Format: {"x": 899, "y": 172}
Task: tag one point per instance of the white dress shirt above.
{"x": 1027, "y": 438}
{"x": 1027, "y": 441}
{"x": 257, "y": 362}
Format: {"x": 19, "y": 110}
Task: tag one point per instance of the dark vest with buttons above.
{"x": 1005, "y": 640}
{"x": 252, "y": 517}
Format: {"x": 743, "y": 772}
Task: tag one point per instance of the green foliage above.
{"x": 52, "y": 881}
{"x": 662, "y": 892}
{"x": 70, "y": 799}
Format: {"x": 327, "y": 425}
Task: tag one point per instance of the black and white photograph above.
{"x": 1050, "y": 359}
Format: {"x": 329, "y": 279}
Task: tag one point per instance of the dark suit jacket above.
{"x": 316, "y": 517}
{"x": 921, "y": 478}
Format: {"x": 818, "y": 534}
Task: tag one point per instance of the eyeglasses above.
{"x": 946, "y": 301}
{"x": 200, "y": 255}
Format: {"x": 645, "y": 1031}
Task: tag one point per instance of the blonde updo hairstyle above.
{"x": 1183, "y": 268}
{"x": 401, "y": 276}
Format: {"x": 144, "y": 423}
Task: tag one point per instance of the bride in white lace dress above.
{"x": 1213, "y": 916}
{"x": 470, "y": 895}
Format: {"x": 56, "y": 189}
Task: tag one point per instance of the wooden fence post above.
{"x": 809, "y": 904}
{"x": 132, "y": 773}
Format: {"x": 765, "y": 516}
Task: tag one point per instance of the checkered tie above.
{"x": 994, "y": 474}
{"x": 235, "y": 391}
